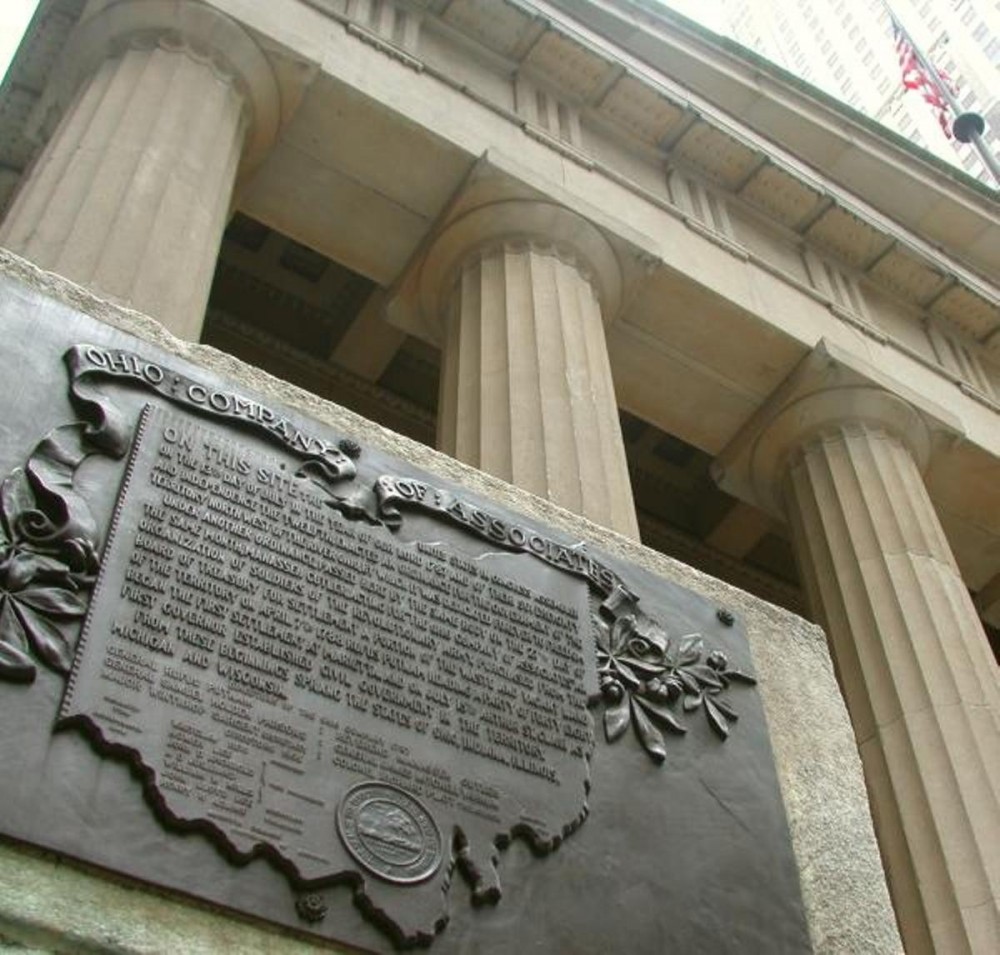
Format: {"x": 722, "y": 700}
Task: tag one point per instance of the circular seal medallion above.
{"x": 389, "y": 832}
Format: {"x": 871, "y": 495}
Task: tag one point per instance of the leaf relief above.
{"x": 647, "y": 679}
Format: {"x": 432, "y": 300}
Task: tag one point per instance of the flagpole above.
{"x": 967, "y": 127}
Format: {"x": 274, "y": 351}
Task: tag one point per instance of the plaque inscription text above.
{"x": 261, "y": 654}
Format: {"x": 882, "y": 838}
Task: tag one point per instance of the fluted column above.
{"x": 526, "y": 389}
{"x": 163, "y": 99}
{"x": 917, "y": 673}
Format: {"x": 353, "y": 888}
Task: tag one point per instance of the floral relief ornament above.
{"x": 46, "y": 569}
{"x": 644, "y": 675}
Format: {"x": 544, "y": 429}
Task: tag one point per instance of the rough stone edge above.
{"x": 819, "y": 770}
{"x": 50, "y": 906}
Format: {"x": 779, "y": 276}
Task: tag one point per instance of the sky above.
{"x": 706, "y": 12}
{"x": 15, "y": 14}
{"x": 14, "y": 17}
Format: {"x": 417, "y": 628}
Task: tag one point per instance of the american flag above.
{"x": 915, "y": 77}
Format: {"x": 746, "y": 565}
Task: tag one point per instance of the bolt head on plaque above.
{"x": 311, "y": 907}
{"x": 389, "y": 832}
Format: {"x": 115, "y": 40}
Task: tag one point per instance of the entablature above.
{"x": 612, "y": 87}
{"x": 560, "y": 77}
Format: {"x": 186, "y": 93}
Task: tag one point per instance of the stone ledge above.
{"x": 58, "y": 907}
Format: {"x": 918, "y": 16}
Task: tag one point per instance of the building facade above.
{"x": 847, "y": 48}
{"x": 598, "y": 253}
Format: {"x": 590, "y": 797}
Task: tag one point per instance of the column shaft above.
{"x": 919, "y": 680}
{"x": 526, "y": 388}
{"x": 131, "y": 194}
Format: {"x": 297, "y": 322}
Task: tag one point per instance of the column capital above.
{"x": 829, "y": 390}
{"x": 110, "y": 27}
{"x": 420, "y": 304}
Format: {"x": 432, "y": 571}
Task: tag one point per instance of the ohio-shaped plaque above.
{"x": 248, "y": 658}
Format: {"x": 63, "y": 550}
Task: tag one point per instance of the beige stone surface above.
{"x": 842, "y": 456}
{"x": 818, "y": 766}
{"x": 526, "y": 389}
{"x": 741, "y": 530}
{"x": 133, "y": 190}
{"x": 370, "y": 343}
{"x": 57, "y": 908}
{"x": 918, "y": 676}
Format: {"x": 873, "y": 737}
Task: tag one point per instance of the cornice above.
{"x": 812, "y": 107}
{"x": 839, "y": 224}
{"x": 759, "y": 70}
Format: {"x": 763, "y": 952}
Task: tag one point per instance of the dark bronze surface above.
{"x": 243, "y": 657}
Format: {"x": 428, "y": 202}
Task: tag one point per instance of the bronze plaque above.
{"x": 246, "y": 658}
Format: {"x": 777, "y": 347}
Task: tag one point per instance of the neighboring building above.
{"x": 846, "y": 48}
{"x": 605, "y": 255}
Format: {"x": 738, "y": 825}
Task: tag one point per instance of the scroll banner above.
{"x": 88, "y": 362}
{"x": 393, "y": 491}
{"x": 107, "y": 428}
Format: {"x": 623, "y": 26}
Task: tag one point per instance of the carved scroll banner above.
{"x": 246, "y": 658}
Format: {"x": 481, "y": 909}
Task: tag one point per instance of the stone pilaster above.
{"x": 160, "y": 101}
{"x": 526, "y": 389}
{"x": 844, "y": 463}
